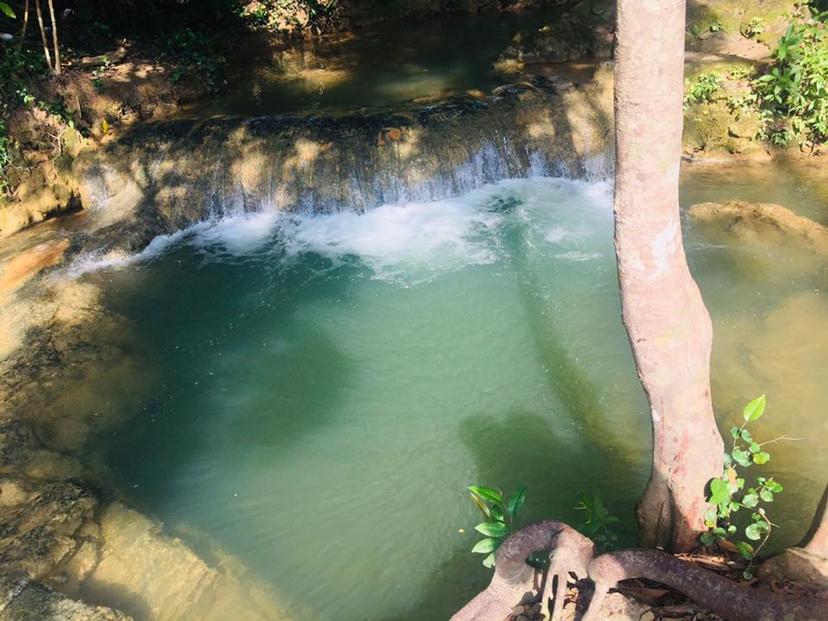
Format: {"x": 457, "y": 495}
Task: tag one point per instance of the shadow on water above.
{"x": 523, "y": 448}
{"x": 198, "y": 341}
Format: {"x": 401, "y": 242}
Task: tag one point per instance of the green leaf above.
{"x": 745, "y": 549}
{"x": 707, "y": 539}
{"x": 775, "y": 487}
{"x": 754, "y": 410}
{"x": 516, "y": 500}
{"x": 735, "y": 432}
{"x": 489, "y": 561}
{"x": 749, "y": 500}
{"x": 7, "y": 10}
{"x": 492, "y": 529}
{"x": 754, "y": 447}
{"x": 497, "y": 513}
{"x": 761, "y": 458}
{"x": 484, "y": 509}
{"x": 754, "y": 531}
{"x": 741, "y": 457}
{"x": 766, "y": 495}
{"x": 487, "y": 493}
{"x": 484, "y": 546}
{"x": 711, "y": 516}
{"x": 746, "y": 436}
{"x": 719, "y": 492}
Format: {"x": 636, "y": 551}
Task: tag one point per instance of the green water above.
{"x": 386, "y": 64}
{"x": 329, "y": 385}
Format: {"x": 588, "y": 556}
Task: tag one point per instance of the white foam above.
{"x": 409, "y": 241}
{"x": 438, "y": 235}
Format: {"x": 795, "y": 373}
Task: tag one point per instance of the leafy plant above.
{"x": 796, "y": 87}
{"x": 729, "y": 496}
{"x": 703, "y": 88}
{"x": 6, "y": 10}
{"x": 753, "y": 28}
{"x": 499, "y": 517}
{"x": 597, "y": 524}
{"x": 197, "y": 54}
{"x": 5, "y": 158}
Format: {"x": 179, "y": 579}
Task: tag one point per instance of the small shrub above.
{"x": 796, "y": 87}
{"x": 729, "y": 496}
{"x": 753, "y": 28}
{"x": 703, "y": 89}
{"x": 499, "y": 517}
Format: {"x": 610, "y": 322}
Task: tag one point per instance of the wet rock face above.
{"x": 22, "y": 599}
{"x": 165, "y": 176}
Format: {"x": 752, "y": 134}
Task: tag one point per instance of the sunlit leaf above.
{"x": 719, "y": 492}
{"x": 484, "y": 546}
{"x": 486, "y": 493}
{"x": 492, "y": 529}
{"x": 754, "y": 410}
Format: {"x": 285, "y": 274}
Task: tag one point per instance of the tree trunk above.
{"x": 24, "y": 27}
{"x": 55, "y": 36}
{"x": 43, "y": 35}
{"x": 816, "y": 541}
{"x": 666, "y": 320}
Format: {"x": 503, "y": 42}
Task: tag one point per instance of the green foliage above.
{"x": 729, "y": 496}
{"x": 499, "y": 514}
{"x": 753, "y": 28}
{"x": 19, "y": 68}
{"x": 197, "y": 54}
{"x": 6, "y": 10}
{"x": 704, "y": 88}
{"x": 597, "y": 524}
{"x": 793, "y": 94}
{"x": 5, "y": 157}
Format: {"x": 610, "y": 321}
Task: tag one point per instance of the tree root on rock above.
{"x": 721, "y": 595}
{"x": 514, "y": 580}
{"x": 571, "y": 558}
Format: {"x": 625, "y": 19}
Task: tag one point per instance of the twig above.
{"x": 778, "y": 439}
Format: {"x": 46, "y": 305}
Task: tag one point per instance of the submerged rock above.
{"x": 747, "y": 219}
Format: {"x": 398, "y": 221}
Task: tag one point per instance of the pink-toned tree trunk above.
{"x": 818, "y": 536}
{"x": 666, "y": 320}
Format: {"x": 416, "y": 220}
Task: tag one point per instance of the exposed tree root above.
{"x": 571, "y": 558}
{"x": 721, "y": 595}
{"x": 570, "y": 552}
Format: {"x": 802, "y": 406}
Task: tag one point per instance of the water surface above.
{"x": 331, "y": 384}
